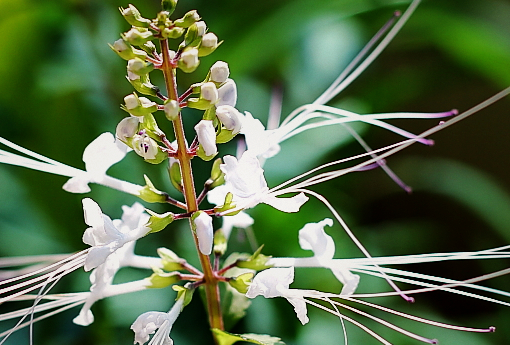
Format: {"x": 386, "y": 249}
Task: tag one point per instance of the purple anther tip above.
{"x": 434, "y": 341}
{"x": 492, "y": 329}
{"x": 397, "y": 13}
{"x": 454, "y": 112}
{"x": 441, "y": 123}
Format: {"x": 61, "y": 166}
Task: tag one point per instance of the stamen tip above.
{"x": 454, "y": 112}
{"x": 429, "y": 142}
{"x": 492, "y": 329}
{"x": 409, "y": 299}
{"x": 434, "y": 341}
{"x": 397, "y": 14}
{"x": 408, "y": 190}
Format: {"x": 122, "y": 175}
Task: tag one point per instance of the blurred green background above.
{"x": 61, "y": 86}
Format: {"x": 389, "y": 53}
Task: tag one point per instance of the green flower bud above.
{"x": 174, "y": 32}
{"x": 138, "y": 106}
{"x": 137, "y": 36}
{"x": 189, "y": 60}
{"x": 217, "y": 176}
{"x": 150, "y": 126}
{"x": 133, "y": 17}
{"x": 241, "y": 283}
{"x": 220, "y": 243}
{"x": 174, "y": 172}
{"x": 143, "y": 85}
{"x": 189, "y": 19}
{"x": 158, "y": 222}
{"x": 208, "y": 45}
{"x": 191, "y": 38}
{"x": 150, "y": 194}
{"x": 169, "y": 6}
{"x": 149, "y": 47}
{"x": 126, "y": 51}
{"x": 172, "y": 109}
{"x": 139, "y": 67}
{"x": 255, "y": 262}
{"x": 170, "y": 260}
{"x": 160, "y": 279}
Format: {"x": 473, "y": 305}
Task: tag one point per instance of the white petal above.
{"x": 227, "y": 94}
{"x": 78, "y": 184}
{"x": 92, "y": 213}
{"x": 85, "y": 317}
{"x": 102, "y": 153}
{"x": 313, "y": 237}
{"x": 292, "y": 204}
{"x": 300, "y": 309}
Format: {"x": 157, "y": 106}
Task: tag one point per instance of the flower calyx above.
{"x": 257, "y": 261}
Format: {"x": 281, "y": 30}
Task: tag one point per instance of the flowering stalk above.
{"x": 188, "y": 185}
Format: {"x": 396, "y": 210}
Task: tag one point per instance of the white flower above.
{"x": 230, "y": 117}
{"x": 245, "y": 180}
{"x": 274, "y": 282}
{"x": 103, "y": 236}
{"x": 209, "y": 92}
{"x": 204, "y": 231}
{"x": 145, "y": 146}
{"x": 98, "y": 156}
{"x": 219, "y": 72}
{"x": 147, "y": 323}
{"x": 207, "y": 136}
{"x": 227, "y": 94}
{"x": 127, "y": 127}
{"x": 209, "y": 40}
{"x": 313, "y": 237}
{"x": 190, "y": 58}
{"x": 201, "y": 27}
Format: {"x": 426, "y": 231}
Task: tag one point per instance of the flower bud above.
{"x": 207, "y": 137}
{"x": 145, "y": 146}
{"x": 168, "y": 5}
{"x": 127, "y": 128}
{"x": 230, "y": 117}
{"x": 149, "y": 193}
{"x": 158, "y": 222}
{"x": 204, "y": 231}
{"x": 217, "y": 176}
{"x": 137, "y": 37}
{"x": 143, "y": 85}
{"x": 126, "y": 51}
{"x": 189, "y": 60}
{"x": 220, "y": 243}
{"x": 133, "y": 17}
{"x": 227, "y": 94}
{"x": 170, "y": 260}
{"x": 160, "y": 279}
{"x": 189, "y": 19}
{"x": 174, "y": 172}
{"x": 138, "y": 106}
{"x": 174, "y": 32}
{"x": 171, "y": 109}
{"x": 219, "y": 72}
{"x": 201, "y": 28}
{"x": 139, "y": 67}
{"x": 208, "y": 45}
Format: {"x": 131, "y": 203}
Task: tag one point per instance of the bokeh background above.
{"x": 61, "y": 86}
